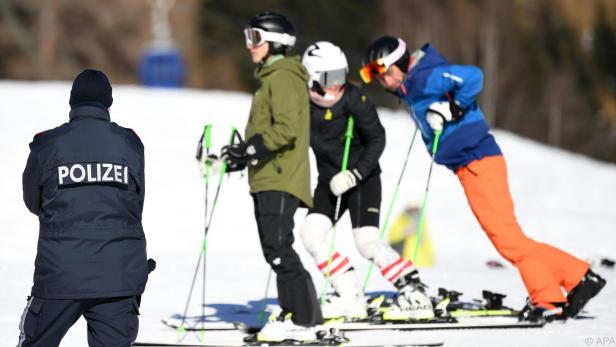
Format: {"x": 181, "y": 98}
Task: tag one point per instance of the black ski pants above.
{"x": 274, "y": 212}
{"x": 363, "y": 202}
{"x": 111, "y": 321}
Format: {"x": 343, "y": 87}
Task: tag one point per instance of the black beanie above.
{"x": 93, "y": 87}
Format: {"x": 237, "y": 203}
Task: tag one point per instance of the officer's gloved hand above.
{"x": 343, "y": 181}
{"x": 210, "y": 165}
{"x": 235, "y": 156}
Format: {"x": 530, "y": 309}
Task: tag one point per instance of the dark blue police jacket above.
{"x": 85, "y": 182}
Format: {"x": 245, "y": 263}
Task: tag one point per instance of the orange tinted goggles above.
{"x": 368, "y": 71}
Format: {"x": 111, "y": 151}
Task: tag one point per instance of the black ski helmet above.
{"x": 384, "y": 46}
{"x": 273, "y": 22}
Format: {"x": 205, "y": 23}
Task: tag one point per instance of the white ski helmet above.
{"x": 326, "y": 64}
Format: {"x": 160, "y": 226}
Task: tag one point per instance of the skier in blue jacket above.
{"x": 442, "y": 100}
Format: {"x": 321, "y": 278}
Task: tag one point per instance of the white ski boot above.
{"x": 351, "y": 307}
{"x": 280, "y": 328}
{"x": 348, "y": 301}
{"x": 413, "y": 303}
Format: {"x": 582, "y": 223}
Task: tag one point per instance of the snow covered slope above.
{"x": 561, "y": 198}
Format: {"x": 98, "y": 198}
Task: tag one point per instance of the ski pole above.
{"x": 345, "y": 158}
{"x": 391, "y": 204}
{"x": 264, "y": 303}
{"x": 207, "y": 143}
{"x": 422, "y": 213}
{"x": 203, "y": 142}
{"x": 180, "y": 328}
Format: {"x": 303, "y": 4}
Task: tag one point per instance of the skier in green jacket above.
{"x": 276, "y": 154}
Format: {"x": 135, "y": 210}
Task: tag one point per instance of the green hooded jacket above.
{"x": 280, "y": 114}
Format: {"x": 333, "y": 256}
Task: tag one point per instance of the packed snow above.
{"x": 563, "y": 199}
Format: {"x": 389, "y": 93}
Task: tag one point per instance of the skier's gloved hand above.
{"x": 235, "y": 156}
{"x": 256, "y": 150}
{"x": 344, "y": 180}
{"x": 437, "y": 114}
{"x": 210, "y": 165}
{"x": 435, "y": 121}
{"x": 457, "y": 112}
{"x": 238, "y": 155}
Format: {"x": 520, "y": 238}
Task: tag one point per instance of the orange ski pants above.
{"x": 544, "y": 269}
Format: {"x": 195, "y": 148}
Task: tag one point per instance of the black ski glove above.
{"x": 255, "y": 149}
{"x": 238, "y": 155}
{"x": 457, "y": 112}
{"x": 235, "y": 156}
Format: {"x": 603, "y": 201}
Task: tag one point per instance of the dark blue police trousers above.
{"x": 111, "y": 321}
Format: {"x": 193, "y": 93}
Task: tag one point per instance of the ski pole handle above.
{"x": 437, "y": 137}
{"x": 207, "y": 138}
{"x": 347, "y": 142}
{"x": 224, "y": 163}
{"x": 207, "y": 144}
{"x": 204, "y": 141}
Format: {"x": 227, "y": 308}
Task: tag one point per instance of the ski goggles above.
{"x": 256, "y": 37}
{"x": 368, "y": 71}
{"x": 381, "y": 65}
{"x": 330, "y": 78}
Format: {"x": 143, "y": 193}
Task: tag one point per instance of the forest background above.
{"x": 549, "y": 65}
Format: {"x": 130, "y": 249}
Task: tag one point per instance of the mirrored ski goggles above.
{"x": 256, "y": 37}
{"x": 328, "y": 79}
{"x": 368, "y": 71}
{"x": 380, "y": 66}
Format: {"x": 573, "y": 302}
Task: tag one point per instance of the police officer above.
{"x": 85, "y": 182}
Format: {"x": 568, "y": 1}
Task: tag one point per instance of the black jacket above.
{"x": 85, "y": 182}
{"x": 328, "y": 127}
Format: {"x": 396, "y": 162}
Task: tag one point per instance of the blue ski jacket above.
{"x": 85, "y": 182}
{"x": 431, "y": 78}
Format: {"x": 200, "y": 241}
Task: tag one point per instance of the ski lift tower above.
{"x": 162, "y": 64}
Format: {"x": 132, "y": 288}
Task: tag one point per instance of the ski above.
{"x": 452, "y": 313}
{"x": 331, "y": 337}
{"x": 471, "y": 322}
{"x": 344, "y": 344}
{"x": 233, "y": 344}
{"x": 466, "y": 324}
{"x": 435, "y": 324}
{"x": 448, "y": 303}
{"x": 200, "y": 326}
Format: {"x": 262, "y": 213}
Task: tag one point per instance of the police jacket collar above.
{"x": 90, "y": 112}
